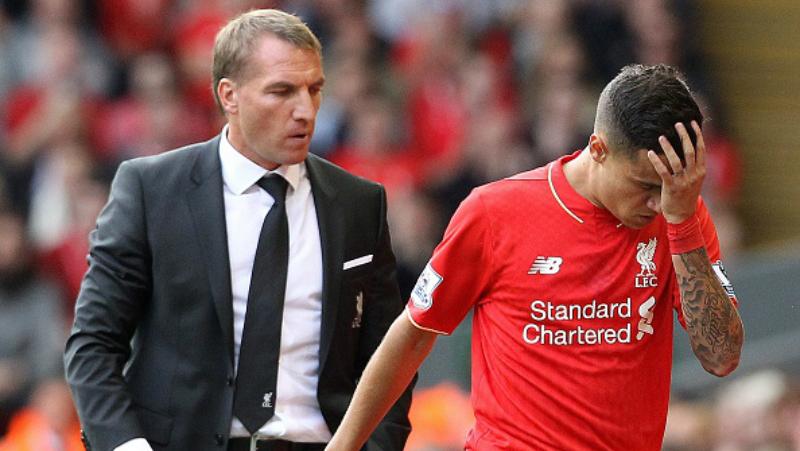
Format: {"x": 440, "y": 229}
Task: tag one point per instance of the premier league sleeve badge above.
{"x": 422, "y": 294}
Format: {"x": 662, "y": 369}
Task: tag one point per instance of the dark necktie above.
{"x": 257, "y": 376}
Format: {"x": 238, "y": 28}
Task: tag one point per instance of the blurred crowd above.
{"x": 428, "y": 97}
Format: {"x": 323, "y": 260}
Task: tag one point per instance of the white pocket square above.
{"x": 357, "y": 262}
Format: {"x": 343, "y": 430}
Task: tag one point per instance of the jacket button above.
{"x": 229, "y": 381}
{"x": 219, "y": 439}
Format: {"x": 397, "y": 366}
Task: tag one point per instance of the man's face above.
{"x": 272, "y": 105}
{"x": 630, "y": 189}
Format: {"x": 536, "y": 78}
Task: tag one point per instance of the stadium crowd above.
{"x": 428, "y": 97}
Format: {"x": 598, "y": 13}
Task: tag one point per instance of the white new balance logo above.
{"x": 545, "y": 265}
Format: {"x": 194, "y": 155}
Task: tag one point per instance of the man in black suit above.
{"x": 236, "y": 287}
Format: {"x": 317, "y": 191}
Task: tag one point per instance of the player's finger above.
{"x": 686, "y": 144}
{"x": 672, "y": 157}
{"x": 701, "y": 145}
{"x": 659, "y": 166}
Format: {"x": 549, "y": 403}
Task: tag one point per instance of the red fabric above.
{"x": 403, "y": 54}
{"x": 67, "y": 264}
{"x": 198, "y": 30}
{"x": 21, "y": 104}
{"x": 498, "y": 47}
{"x": 396, "y": 171}
{"x": 686, "y": 236}
{"x": 572, "y": 327}
{"x": 193, "y": 41}
{"x": 129, "y": 128}
{"x": 198, "y": 94}
{"x": 134, "y": 26}
{"x": 438, "y": 120}
{"x": 28, "y": 103}
{"x": 724, "y": 168}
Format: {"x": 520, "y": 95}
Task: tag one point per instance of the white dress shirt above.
{"x": 297, "y": 416}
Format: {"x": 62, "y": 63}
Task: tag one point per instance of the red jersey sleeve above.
{"x": 458, "y": 272}
{"x": 714, "y": 256}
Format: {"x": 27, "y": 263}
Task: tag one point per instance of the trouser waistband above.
{"x": 243, "y": 444}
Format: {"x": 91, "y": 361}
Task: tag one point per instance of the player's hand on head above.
{"x": 681, "y": 183}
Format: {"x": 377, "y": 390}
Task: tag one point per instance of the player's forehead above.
{"x": 639, "y": 168}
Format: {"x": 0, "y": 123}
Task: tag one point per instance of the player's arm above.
{"x": 445, "y": 291}
{"x": 383, "y": 302}
{"x": 715, "y": 329}
{"x": 386, "y": 376}
{"x": 712, "y": 321}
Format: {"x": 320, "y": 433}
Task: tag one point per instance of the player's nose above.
{"x": 654, "y": 203}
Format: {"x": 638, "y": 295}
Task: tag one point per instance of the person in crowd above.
{"x": 31, "y": 322}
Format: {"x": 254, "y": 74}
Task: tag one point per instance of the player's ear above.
{"x": 598, "y": 148}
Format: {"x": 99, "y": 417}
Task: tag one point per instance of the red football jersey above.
{"x": 572, "y": 328}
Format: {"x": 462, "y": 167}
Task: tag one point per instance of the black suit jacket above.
{"x": 151, "y": 350}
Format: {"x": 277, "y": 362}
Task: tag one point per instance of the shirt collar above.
{"x": 577, "y": 206}
{"x": 240, "y": 173}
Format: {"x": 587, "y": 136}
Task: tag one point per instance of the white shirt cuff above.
{"x": 137, "y": 444}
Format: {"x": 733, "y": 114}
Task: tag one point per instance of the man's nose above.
{"x": 304, "y": 109}
{"x": 654, "y": 203}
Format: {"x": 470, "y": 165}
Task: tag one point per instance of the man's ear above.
{"x": 598, "y": 148}
{"x": 226, "y": 91}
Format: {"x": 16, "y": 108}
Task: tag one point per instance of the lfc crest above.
{"x": 644, "y": 256}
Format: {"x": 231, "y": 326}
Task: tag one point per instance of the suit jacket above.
{"x": 151, "y": 350}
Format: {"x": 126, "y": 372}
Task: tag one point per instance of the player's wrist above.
{"x": 678, "y": 218}
{"x": 685, "y": 236}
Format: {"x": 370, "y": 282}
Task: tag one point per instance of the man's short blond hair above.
{"x": 234, "y": 42}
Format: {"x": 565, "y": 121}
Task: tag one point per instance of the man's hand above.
{"x": 680, "y": 184}
{"x": 714, "y": 326}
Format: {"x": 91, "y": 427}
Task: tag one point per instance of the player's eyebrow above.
{"x": 650, "y": 183}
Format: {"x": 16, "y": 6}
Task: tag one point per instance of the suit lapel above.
{"x": 208, "y": 212}
{"x": 332, "y": 234}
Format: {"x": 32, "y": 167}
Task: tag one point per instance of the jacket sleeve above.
{"x": 113, "y": 294}
{"x": 392, "y": 432}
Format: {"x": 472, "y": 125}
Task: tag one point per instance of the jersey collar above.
{"x": 576, "y": 206}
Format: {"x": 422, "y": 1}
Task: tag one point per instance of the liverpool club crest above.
{"x": 644, "y": 256}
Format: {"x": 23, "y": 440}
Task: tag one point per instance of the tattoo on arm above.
{"x": 714, "y": 326}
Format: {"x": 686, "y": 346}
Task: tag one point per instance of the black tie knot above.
{"x": 275, "y": 185}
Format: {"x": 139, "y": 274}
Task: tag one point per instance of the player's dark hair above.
{"x": 641, "y": 104}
